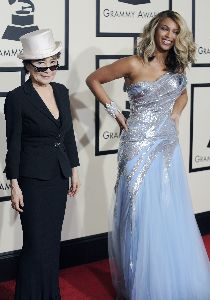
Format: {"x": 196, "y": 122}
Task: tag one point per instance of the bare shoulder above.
{"x": 136, "y": 65}
{"x": 124, "y": 67}
{"x": 133, "y": 61}
{"x": 129, "y": 65}
{"x": 136, "y": 60}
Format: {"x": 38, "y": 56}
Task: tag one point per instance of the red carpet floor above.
{"x": 87, "y": 282}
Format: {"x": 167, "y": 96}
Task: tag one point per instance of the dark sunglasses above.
{"x": 44, "y": 69}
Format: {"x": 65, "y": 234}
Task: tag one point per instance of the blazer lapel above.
{"x": 59, "y": 101}
{"x": 37, "y": 101}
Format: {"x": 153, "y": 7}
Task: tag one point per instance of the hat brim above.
{"x": 46, "y": 54}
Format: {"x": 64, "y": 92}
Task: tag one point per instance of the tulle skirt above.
{"x": 156, "y": 250}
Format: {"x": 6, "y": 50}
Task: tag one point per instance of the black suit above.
{"x": 35, "y": 143}
{"x": 41, "y": 153}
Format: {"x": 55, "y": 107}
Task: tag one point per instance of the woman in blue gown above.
{"x": 156, "y": 251}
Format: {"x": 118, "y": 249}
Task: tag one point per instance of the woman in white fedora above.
{"x": 41, "y": 156}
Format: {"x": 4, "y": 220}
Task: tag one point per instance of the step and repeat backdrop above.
{"x": 95, "y": 33}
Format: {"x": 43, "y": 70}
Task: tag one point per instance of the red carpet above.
{"x": 86, "y": 282}
{"x": 91, "y": 281}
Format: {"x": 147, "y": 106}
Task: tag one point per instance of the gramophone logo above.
{"x": 22, "y": 20}
{"x": 135, "y": 2}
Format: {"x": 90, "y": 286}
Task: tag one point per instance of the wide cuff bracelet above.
{"x": 112, "y": 109}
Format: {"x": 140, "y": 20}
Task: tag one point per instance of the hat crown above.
{"x": 39, "y": 44}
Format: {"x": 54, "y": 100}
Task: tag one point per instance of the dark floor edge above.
{"x": 81, "y": 250}
{"x": 203, "y": 220}
{"x": 73, "y": 253}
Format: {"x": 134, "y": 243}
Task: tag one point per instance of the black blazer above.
{"x": 36, "y": 144}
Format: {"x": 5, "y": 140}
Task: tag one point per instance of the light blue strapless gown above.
{"x": 156, "y": 251}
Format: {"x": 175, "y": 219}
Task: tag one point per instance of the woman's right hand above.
{"x": 122, "y": 121}
{"x": 17, "y": 198}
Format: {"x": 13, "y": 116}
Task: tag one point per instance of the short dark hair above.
{"x": 29, "y": 61}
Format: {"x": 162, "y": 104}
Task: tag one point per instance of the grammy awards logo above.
{"x": 4, "y": 186}
{"x": 22, "y": 19}
{"x": 135, "y": 2}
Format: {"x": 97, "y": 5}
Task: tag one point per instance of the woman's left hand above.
{"x": 75, "y": 183}
{"x": 175, "y": 117}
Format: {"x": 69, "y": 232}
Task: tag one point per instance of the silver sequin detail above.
{"x": 112, "y": 109}
{"x": 151, "y": 130}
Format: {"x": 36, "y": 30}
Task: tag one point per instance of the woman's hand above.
{"x": 16, "y": 197}
{"x": 75, "y": 183}
{"x": 175, "y": 117}
{"x": 122, "y": 121}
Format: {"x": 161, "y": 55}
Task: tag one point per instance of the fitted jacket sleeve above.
{"x": 70, "y": 143}
{"x": 13, "y": 116}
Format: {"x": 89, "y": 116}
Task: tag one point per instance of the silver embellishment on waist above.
{"x": 150, "y": 121}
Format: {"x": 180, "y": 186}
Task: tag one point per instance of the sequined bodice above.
{"x": 151, "y": 104}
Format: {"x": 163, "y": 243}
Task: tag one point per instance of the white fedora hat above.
{"x": 39, "y": 44}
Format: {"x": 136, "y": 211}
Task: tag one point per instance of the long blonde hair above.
{"x": 183, "y": 51}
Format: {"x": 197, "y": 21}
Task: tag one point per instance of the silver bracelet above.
{"x": 112, "y": 109}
